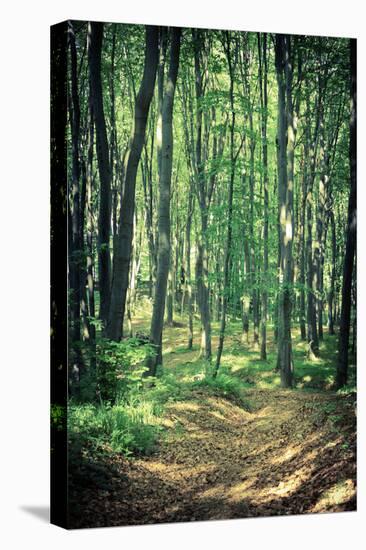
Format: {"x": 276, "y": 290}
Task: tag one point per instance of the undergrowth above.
{"x": 129, "y": 422}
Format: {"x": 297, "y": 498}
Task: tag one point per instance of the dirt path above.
{"x": 285, "y": 452}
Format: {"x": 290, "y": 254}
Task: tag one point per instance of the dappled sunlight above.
{"x": 294, "y": 450}
{"x": 217, "y": 415}
{"x": 173, "y": 470}
{"x": 340, "y": 493}
{"x": 284, "y": 488}
{"x": 240, "y": 445}
{"x": 267, "y": 385}
{"x": 229, "y": 410}
{"x": 240, "y": 490}
{"x": 289, "y": 453}
{"x": 217, "y": 491}
{"x": 265, "y": 412}
{"x": 185, "y": 406}
{"x": 235, "y": 362}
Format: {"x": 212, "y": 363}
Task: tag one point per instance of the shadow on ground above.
{"x": 40, "y": 512}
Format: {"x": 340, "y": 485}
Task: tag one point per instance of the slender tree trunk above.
{"x": 342, "y": 366}
{"x": 203, "y": 289}
{"x": 135, "y": 264}
{"x": 148, "y": 202}
{"x": 331, "y": 293}
{"x": 226, "y": 282}
{"x": 245, "y": 298}
{"x": 264, "y": 106}
{"x": 302, "y": 253}
{"x": 85, "y": 325}
{"x": 253, "y": 263}
{"x": 113, "y": 143}
{"x": 121, "y": 264}
{"x": 285, "y": 137}
{"x": 202, "y": 245}
{"x": 170, "y": 297}
{"x": 76, "y": 244}
{"x": 188, "y": 276}
{"x": 310, "y": 151}
{"x": 95, "y": 39}
{"x": 89, "y": 241}
{"x": 319, "y": 243}
{"x": 164, "y": 203}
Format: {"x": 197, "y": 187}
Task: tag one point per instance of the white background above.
{"x": 24, "y": 273}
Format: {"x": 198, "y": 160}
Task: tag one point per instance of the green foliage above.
{"x": 348, "y": 389}
{"x": 58, "y": 417}
{"x": 112, "y": 413}
{"x": 223, "y": 384}
{"x": 126, "y": 428}
{"x": 120, "y": 367}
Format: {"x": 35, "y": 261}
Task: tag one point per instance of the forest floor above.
{"x": 227, "y": 451}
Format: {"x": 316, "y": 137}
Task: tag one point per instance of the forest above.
{"x": 211, "y": 274}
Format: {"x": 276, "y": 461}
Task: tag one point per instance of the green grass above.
{"x": 129, "y": 428}
{"x": 245, "y": 364}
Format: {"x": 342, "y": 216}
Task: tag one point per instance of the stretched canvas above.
{"x": 203, "y": 274}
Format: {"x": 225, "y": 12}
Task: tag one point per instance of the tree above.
{"x": 75, "y": 241}
{"x": 285, "y": 159}
{"x": 95, "y": 40}
{"x": 121, "y": 263}
{"x": 164, "y": 202}
{"x": 263, "y": 75}
{"x": 233, "y": 159}
{"x": 342, "y": 365}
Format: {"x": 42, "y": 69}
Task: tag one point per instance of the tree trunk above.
{"x": 319, "y": 243}
{"x": 264, "y": 106}
{"x": 227, "y": 252}
{"x": 95, "y": 39}
{"x": 188, "y": 281}
{"x": 202, "y": 245}
{"x": 331, "y": 294}
{"x": 342, "y": 366}
{"x": 76, "y": 244}
{"x": 310, "y": 150}
{"x": 285, "y": 151}
{"x": 302, "y": 253}
{"x": 121, "y": 264}
{"x": 170, "y": 297}
{"x": 89, "y": 241}
{"x": 164, "y": 204}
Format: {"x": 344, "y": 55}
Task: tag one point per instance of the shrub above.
{"x": 125, "y": 428}
{"x": 120, "y": 367}
{"x": 223, "y": 385}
